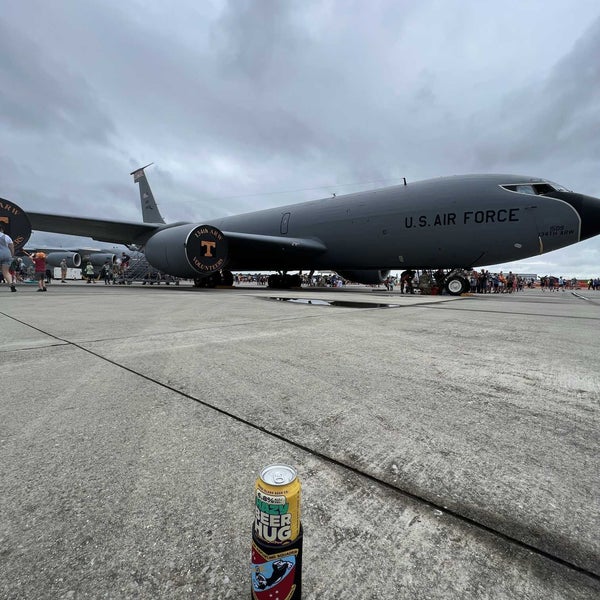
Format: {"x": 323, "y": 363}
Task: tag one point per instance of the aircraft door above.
{"x": 285, "y": 220}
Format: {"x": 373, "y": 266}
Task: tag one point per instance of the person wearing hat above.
{"x": 7, "y": 253}
{"x": 39, "y": 261}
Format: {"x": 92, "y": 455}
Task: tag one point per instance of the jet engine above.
{"x": 99, "y": 258}
{"x": 373, "y": 277}
{"x": 73, "y": 259}
{"x": 187, "y": 250}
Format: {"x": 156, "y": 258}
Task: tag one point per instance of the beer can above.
{"x": 277, "y": 505}
{"x": 276, "y": 563}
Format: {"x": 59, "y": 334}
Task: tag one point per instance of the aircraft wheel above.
{"x": 456, "y": 285}
{"x": 227, "y": 278}
{"x": 210, "y": 281}
{"x": 275, "y": 282}
{"x": 214, "y": 280}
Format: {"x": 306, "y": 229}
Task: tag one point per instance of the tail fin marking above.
{"x": 150, "y": 212}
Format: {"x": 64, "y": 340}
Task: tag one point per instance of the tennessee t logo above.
{"x": 208, "y": 246}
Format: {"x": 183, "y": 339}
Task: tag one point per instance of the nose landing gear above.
{"x": 457, "y": 283}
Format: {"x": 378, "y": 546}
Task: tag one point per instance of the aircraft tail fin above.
{"x": 150, "y": 212}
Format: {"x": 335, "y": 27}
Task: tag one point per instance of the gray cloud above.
{"x": 554, "y": 121}
{"x": 38, "y": 96}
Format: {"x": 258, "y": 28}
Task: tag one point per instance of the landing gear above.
{"x": 227, "y": 278}
{"x": 214, "y": 279}
{"x": 210, "y": 281}
{"x": 283, "y": 281}
{"x": 456, "y": 283}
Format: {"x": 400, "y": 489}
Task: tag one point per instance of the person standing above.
{"x": 7, "y": 252}
{"x": 39, "y": 262}
{"x": 116, "y": 270}
{"x": 13, "y": 269}
{"x": 106, "y": 271}
{"x": 63, "y": 271}
{"x": 89, "y": 272}
{"x": 125, "y": 258}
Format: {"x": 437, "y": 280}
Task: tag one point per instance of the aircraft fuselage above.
{"x": 455, "y": 221}
{"x": 460, "y": 221}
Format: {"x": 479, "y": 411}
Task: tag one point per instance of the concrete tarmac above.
{"x": 447, "y": 447}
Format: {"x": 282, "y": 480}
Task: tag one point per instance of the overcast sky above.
{"x": 247, "y": 104}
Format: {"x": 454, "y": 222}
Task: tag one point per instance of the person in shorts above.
{"x": 7, "y": 253}
{"x": 39, "y": 262}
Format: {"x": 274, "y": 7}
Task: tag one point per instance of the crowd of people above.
{"x": 484, "y": 282}
{"x": 481, "y": 282}
{"x": 315, "y": 280}
{"x": 409, "y": 282}
{"x": 15, "y": 270}
{"x": 109, "y": 273}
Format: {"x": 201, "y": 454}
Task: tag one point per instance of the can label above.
{"x": 276, "y": 572}
{"x": 275, "y": 521}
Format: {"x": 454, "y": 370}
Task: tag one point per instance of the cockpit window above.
{"x": 558, "y": 187}
{"x": 525, "y": 189}
{"x": 536, "y": 188}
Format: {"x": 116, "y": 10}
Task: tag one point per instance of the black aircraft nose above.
{"x": 588, "y": 208}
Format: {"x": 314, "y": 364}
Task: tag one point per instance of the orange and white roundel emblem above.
{"x": 206, "y": 249}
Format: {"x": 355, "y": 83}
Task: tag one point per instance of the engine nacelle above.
{"x": 187, "y": 250}
{"x": 73, "y": 259}
{"x": 99, "y": 258}
{"x": 373, "y": 277}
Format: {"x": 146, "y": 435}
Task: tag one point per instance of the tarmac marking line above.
{"x": 507, "y": 312}
{"x": 591, "y": 300}
{"x": 328, "y": 459}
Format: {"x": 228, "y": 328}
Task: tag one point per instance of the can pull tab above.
{"x": 279, "y": 478}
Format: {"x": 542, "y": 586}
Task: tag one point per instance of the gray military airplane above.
{"x": 74, "y": 257}
{"x": 461, "y": 221}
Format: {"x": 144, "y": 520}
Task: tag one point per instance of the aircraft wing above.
{"x": 118, "y": 232}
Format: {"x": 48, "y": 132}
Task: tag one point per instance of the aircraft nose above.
{"x": 590, "y": 216}
{"x": 588, "y": 208}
